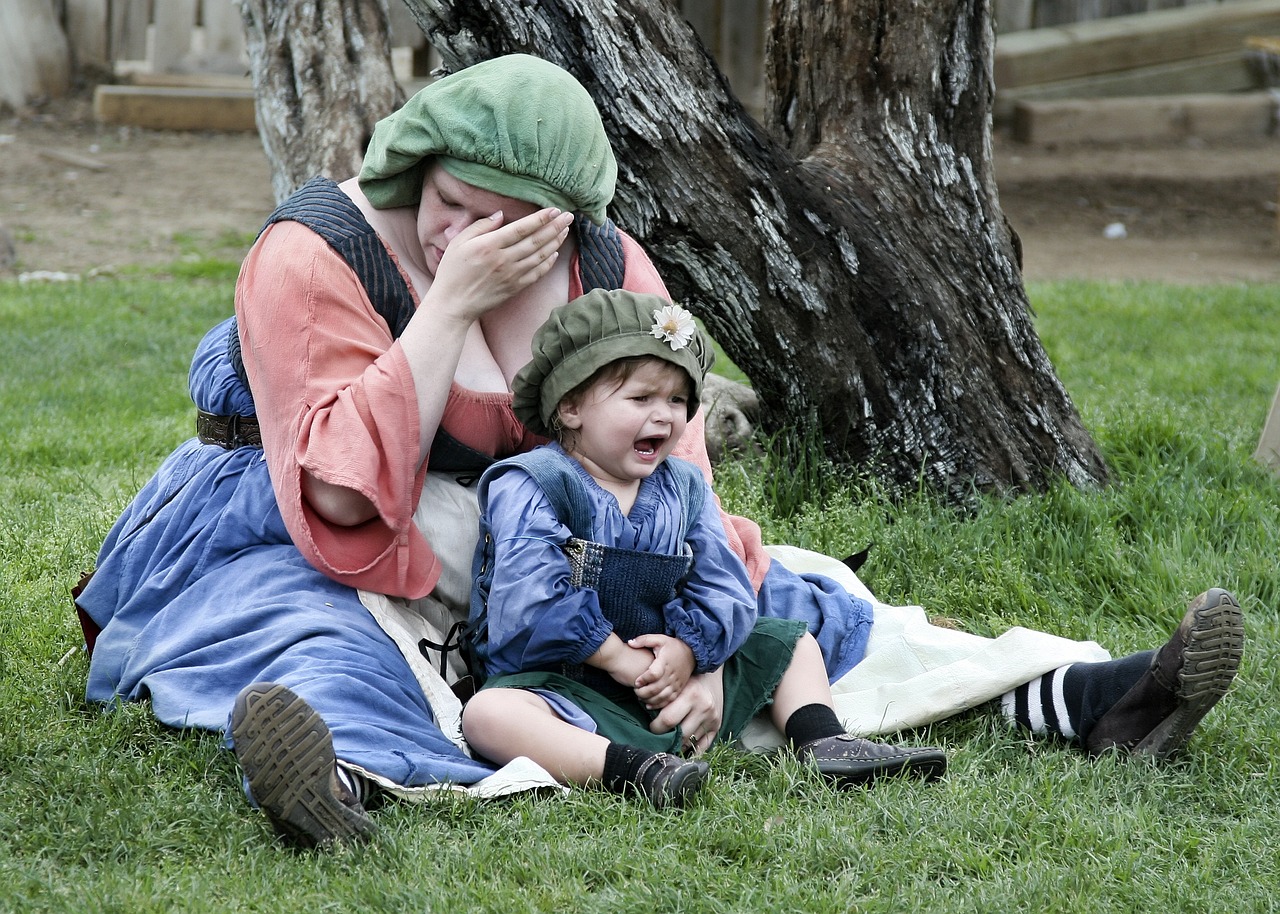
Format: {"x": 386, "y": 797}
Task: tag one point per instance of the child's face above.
{"x": 622, "y": 432}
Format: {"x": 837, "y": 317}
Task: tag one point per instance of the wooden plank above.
{"x": 192, "y": 80}
{"x": 1013, "y": 15}
{"x": 1232, "y": 72}
{"x": 741, "y": 56}
{"x": 1268, "y": 451}
{"x": 86, "y": 24}
{"x": 1125, "y": 42}
{"x": 172, "y": 108}
{"x": 73, "y": 159}
{"x": 129, "y": 22}
{"x": 704, "y": 16}
{"x": 1167, "y": 117}
{"x": 175, "y": 21}
{"x": 404, "y": 29}
{"x": 223, "y": 29}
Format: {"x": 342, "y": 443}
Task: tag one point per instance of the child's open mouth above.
{"x": 647, "y": 447}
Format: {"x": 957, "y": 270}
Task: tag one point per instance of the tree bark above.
{"x": 35, "y": 60}
{"x": 850, "y": 256}
{"x": 322, "y": 78}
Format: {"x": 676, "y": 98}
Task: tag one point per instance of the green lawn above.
{"x": 110, "y": 812}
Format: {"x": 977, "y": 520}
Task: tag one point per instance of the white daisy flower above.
{"x": 673, "y": 325}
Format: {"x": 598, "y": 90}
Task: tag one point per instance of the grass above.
{"x": 108, "y": 811}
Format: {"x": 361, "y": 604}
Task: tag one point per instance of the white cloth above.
{"x": 915, "y": 672}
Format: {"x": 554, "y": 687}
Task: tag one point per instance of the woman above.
{"x": 379, "y": 324}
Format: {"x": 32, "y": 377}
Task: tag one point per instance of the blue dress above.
{"x": 199, "y": 591}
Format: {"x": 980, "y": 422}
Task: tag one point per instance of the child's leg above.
{"x": 804, "y": 683}
{"x": 503, "y": 724}
{"x": 802, "y": 709}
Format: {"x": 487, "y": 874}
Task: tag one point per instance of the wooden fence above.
{"x": 202, "y": 40}
{"x": 193, "y": 35}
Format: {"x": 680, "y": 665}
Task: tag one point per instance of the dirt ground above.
{"x": 78, "y": 197}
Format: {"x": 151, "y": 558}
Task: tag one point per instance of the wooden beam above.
{"x": 174, "y": 108}
{"x": 1125, "y": 42}
{"x": 1162, "y": 117}
{"x": 175, "y": 20}
{"x": 1231, "y": 72}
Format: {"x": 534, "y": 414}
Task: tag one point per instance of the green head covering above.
{"x": 601, "y": 327}
{"x": 517, "y": 126}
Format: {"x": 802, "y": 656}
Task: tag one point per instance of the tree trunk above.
{"x": 35, "y": 61}
{"x": 322, "y": 78}
{"x": 852, "y": 259}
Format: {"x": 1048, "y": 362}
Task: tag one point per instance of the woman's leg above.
{"x": 1147, "y": 703}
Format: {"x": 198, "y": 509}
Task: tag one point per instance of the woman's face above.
{"x": 448, "y": 206}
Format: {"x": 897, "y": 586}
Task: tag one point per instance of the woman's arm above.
{"x": 337, "y": 405}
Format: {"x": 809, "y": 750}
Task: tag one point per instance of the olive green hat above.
{"x": 517, "y": 126}
{"x": 601, "y": 327}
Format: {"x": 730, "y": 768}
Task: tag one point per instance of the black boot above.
{"x": 1187, "y": 677}
{"x": 287, "y": 755}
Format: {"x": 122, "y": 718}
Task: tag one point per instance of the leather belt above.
{"x": 229, "y": 432}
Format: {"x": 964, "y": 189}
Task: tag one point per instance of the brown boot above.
{"x": 1187, "y": 677}
{"x": 286, "y": 752}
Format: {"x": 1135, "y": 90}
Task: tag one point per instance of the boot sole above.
{"x": 286, "y": 751}
{"x": 1211, "y": 659}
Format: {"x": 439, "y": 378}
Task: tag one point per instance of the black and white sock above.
{"x": 1068, "y": 701}
{"x": 360, "y": 786}
{"x": 1041, "y": 705}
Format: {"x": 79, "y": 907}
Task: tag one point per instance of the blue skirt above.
{"x": 199, "y": 591}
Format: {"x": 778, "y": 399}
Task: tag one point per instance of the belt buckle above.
{"x": 234, "y": 438}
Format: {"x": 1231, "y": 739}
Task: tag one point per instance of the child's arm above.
{"x": 716, "y": 607}
{"x": 670, "y": 670}
{"x": 537, "y": 618}
{"x": 626, "y": 663}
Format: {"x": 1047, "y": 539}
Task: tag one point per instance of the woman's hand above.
{"x": 489, "y": 262}
{"x": 672, "y": 666}
{"x": 697, "y": 710}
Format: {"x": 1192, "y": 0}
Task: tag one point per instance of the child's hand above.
{"x": 671, "y": 668}
{"x": 623, "y": 662}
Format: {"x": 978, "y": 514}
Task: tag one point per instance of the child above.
{"x": 605, "y": 579}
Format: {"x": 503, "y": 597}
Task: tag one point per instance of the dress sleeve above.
{"x": 335, "y": 397}
{"x": 716, "y": 608}
{"x": 744, "y": 535}
{"x": 537, "y": 619}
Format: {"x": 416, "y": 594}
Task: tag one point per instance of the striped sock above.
{"x": 1068, "y": 701}
{"x": 1045, "y": 705}
{"x": 359, "y": 785}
